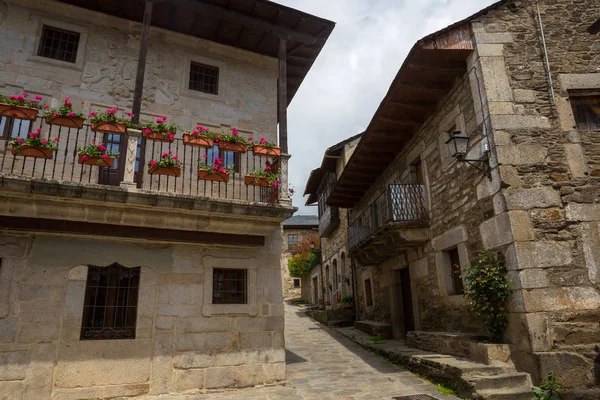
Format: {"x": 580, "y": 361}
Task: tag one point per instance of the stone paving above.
{"x": 323, "y": 364}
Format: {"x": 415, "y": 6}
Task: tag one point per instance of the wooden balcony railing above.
{"x": 398, "y": 203}
{"x": 131, "y": 165}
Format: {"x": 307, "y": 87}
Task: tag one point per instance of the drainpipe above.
{"x": 537, "y": 4}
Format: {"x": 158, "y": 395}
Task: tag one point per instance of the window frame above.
{"x": 580, "y": 94}
{"x": 6, "y": 131}
{"x": 208, "y": 67}
{"x": 212, "y": 62}
{"x": 89, "y": 332}
{"x": 230, "y": 271}
{"x": 237, "y": 157}
{"x": 46, "y": 29}
{"x": 291, "y": 244}
{"x": 68, "y": 26}
{"x": 296, "y": 282}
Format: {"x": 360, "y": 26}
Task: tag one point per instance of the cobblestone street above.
{"x": 323, "y": 364}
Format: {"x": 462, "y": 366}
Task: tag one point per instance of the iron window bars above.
{"x": 59, "y": 44}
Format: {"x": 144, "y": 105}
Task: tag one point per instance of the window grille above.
{"x": 230, "y": 286}
{"x": 204, "y": 78}
{"x": 111, "y": 298}
{"x": 59, "y": 44}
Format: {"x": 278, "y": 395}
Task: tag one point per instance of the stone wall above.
{"x": 458, "y": 200}
{"x": 335, "y": 260}
{"x": 549, "y": 169}
{"x": 183, "y": 342}
{"x": 289, "y": 291}
{"x": 104, "y": 74}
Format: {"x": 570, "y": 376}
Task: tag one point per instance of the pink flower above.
{"x": 154, "y": 115}
{"x": 45, "y": 141}
{"x": 105, "y": 156}
{"x": 102, "y": 148}
{"x": 250, "y": 138}
{"x": 262, "y": 140}
{"x": 215, "y": 168}
{"x": 21, "y": 98}
{"x": 159, "y": 121}
{"x": 170, "y": 135}
{"x": 56, "y": 139}
{"x": 164, "y": 117}
{"x": 93, "y": 114}
{"x": 175, "y": 159}
{"x": 83, "y": 102}
{"x": 170, "y": 151}
{"x": 165, "y": 155}
{"x": 204, "y": 155}
{"x": 84, "y": 158}
{"x": 129, "y": 114}
{"x": 278, "y": 181}
{"x": 33, "y": 134}
{"x": 195, "y": 132}
{"x": 234, "y": 132}
{"x": 116, "y": 108}
{"x": 71, "y": 114}
{"x": 292, "y": 191}
{"x": 39, "y": 98}
{"x": 110, "y": 111}
{"x": 268, "y": 169}
{"x": 274, "y": 184}
{"x": 153, "y": 163}
{"x": 223, "y": 171}
{"x": 25, "y": 94}
{"x": 13, "y": 97}
{"x": 19, "y": 140}
{"x": 217, "y": 139}
{"x": 67, "y": 99}
{"x": 147, "y": 131}
{"x": 46, "y": 107}
{"x": 68, "y": 103}
{"x": 202, "y": 129}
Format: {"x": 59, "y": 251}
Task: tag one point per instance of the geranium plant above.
{"x": 22, "y": 100}
{"x": 159, "y": 127}
{"x": 216, "y": 167}
{"x": 233, "y": 137}
{"x": 166, "y": 160}
{"x": 199, "y": 136}
{"x": 34, "y": 140}
{"x": 263, "y": 142}
{"x": 66, "y": 110}
{"x": 112, "y": 120}
{"x": 266, "y": 176}
{"x": 96, "y": 153}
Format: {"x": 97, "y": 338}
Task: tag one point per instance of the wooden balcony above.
{"x": 396, "y": 220}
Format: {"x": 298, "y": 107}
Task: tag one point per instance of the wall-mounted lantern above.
{"x": 458, "y": 145}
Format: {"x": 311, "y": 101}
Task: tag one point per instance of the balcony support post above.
{"x": 133, "y": 136}
{"x": 141, "y": 67}
{"x": 284, "y": 192}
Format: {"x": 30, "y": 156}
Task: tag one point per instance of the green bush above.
{"x": 300, "y": 264}
{"x": 548, "y": 390}
{"x": 488, "y": 290}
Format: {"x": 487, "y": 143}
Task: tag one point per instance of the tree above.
{"x": 304, "y": 258}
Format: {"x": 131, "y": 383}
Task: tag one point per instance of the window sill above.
{"x": 209, "y": 310}
{"x": 457, "y": 299}
{"x": 78, "y": 66}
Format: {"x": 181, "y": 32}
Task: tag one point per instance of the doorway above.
{"x": 116, "y": 143}
{"x": 407, "y": 301}
{"x": 315, "y": 288}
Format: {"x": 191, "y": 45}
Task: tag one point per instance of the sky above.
{"x": 354, "y": 71}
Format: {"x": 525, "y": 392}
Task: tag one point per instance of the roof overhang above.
{"x": 427, "y": 75}
{"x": 327, "y": 165}
{"x": 252, "y": 25}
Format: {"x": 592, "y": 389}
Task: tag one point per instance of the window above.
{"x": 416, "y": 172}
{"x": 296, "y": 283}
{"x": 586, "y": 110}
{"x": 292, "y": 241}
{"x": 368, "y": 293}
{"x": 59, "y": 44}
{"x": 12, "y": 127}
{"x": 229, "y": 157}
{"x": 110, "y": 308}
{"x": 454, "y": 283}
{"x": 229, "y": 286}
{"x": 204, "y": 78}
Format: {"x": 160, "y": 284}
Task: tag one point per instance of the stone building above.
{"x": 335, "y": 269}
{"x": 117, "y": 283}
{"x": 521, "y": 81}
{"x": 294, "y": 230}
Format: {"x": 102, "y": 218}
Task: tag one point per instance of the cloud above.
{"x": 355, "y": 69}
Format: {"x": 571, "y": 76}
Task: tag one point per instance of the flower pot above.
{"x": 69, "y": 122}
{"x": 257, "y": 181}
{"x": 158, "y": 137}
{"x": 198, "y": 141}
{"x": 109, "y": 127}
{"x": 236, "y": 147}
{"x": 169, "y": 171}
{"x": 213, "y": 176}
{"x": 97, "y": 161}
{"x": 6, "y": 110}
{"x": 33, "y": 151}
{"x": 259, "y": 150}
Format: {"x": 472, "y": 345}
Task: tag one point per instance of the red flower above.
{"x": 105, "y": 156}
{"x": 153, "y": 163}
{"x": 102, "y": 148}
{"x": 84, "y": 158}
{"x": 39, "y": 98}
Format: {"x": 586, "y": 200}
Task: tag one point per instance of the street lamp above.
{"x": 458, "y": 145}
{"x": 312, "y": 245}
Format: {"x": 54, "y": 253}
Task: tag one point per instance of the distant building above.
{"x": 294, "y": 230}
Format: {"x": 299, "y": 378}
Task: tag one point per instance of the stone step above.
{"x": 511, "y": 380}
{"x": 518, "y": 393}
{"x": 340, "y": 323}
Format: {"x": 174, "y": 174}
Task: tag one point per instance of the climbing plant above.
{"x": 304, "y": 258}
{"x": 488, "y": 290}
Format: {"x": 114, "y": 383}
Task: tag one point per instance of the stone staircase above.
{"x": 491, "y": 380}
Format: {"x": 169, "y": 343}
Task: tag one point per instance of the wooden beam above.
{"x": 282, "y": 99}
{"x": 445, "y": 66}
{"x": 403, "y": 120}
{"x": 141, "y": 67}
{"x": 413, "y": 105}
{"x": 441, "y": 87}
{"x": 248, "y": 21}
{"x": 123, "y": 231}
